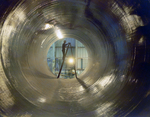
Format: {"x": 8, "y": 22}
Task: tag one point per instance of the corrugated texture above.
{"x": 116, "y": 81}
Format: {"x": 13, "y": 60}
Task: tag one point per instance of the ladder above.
{"x": 69, "y": 45}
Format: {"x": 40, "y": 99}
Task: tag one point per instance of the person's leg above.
{"x": 63, "y": 55}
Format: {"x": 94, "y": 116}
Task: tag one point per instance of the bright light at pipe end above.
{"x": 71, "y": 60}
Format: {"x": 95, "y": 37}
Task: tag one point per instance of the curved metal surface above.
{"x": 116, "y": 81}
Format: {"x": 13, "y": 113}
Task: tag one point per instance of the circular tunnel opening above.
{"x": 28, "y": 54}
{"x": 26, "y": 47}
{"x": 115, "y": 79}
{"x": 76, "y": 58}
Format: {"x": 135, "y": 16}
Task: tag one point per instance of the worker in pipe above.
{"x": 63, "y": 48}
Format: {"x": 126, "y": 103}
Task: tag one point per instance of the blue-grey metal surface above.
{"x": 116, "y": 35}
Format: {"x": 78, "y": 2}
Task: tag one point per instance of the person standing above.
{"x": 63, "y": 48}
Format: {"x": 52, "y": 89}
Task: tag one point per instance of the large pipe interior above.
{"x": 116, "y": 80}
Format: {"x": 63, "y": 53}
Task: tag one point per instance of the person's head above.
{"x": 64, "y": 41}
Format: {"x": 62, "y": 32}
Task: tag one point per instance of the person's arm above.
{"x": 67, "y": 44}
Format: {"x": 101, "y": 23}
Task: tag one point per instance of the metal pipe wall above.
{"x": 116, "y": 80}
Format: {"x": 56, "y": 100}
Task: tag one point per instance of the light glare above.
{"x": 59, "y": 34}
{"x": 47, "y": 26}
{"x": 71, "y": 60}
{"x": 42, "y": 100}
